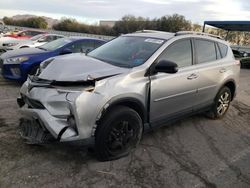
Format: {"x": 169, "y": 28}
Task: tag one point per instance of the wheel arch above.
{"x": 25, "y": 46}
{"x": 130, "y": 102}
{"x": 231, "y": 85}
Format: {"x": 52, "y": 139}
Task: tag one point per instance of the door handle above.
{"x": 223, "y": 70}
{"x": 192, "y": 76}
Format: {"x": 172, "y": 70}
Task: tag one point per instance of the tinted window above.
{"x": 33, "y": 33}
{"x": 223, "y": 49}
{"x": 205, "y": 51}
{"x": 98, "y": 43}
{"x": 180, "y": 52}
{"x": 49, "y": 38}
{"x": 53, "y": 45}
{"x": 84, "y": 45}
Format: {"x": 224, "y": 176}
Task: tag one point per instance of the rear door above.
{"x": 174, "y": 94}
{"x": 210, "y": 70}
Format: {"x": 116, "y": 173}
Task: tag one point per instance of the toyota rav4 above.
{"x": 111, "y": 95}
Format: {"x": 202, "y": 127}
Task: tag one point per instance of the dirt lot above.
{"x": 194, "y": 152}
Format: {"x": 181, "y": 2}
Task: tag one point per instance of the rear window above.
{"x": 223, "y": 49}
{"x": 205, "y": 51}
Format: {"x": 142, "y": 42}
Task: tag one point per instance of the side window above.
{"x": 33, "y": 33}
{"x": 76, "y": 47}
{"x": 218, "y": 55}
{"x": 49, "y": 38}
{"x": 56, "y": 37}
{"x": 179, "y": 52}
{"x": 205, "y": 51}
{"x": 223, "y": 49}
{"x": 98, "y": 43}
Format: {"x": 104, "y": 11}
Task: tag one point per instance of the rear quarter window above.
{"x": 223, "y": 49}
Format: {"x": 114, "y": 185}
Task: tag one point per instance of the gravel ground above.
{"x": 194, "y": 152}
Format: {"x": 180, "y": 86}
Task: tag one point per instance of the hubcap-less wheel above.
{"x": 121, "y": 137}
{"x": 223, "y": 103}
{"x": 118, "y": 133}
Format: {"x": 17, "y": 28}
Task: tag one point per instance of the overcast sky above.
{"x": 91, "y": 11}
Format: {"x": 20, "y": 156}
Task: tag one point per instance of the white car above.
{"x": 7, "y": 43}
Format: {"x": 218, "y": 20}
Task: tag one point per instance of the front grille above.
{"x": 32, "y": 103}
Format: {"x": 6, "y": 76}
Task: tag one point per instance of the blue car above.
{"x": 17, "y": 64}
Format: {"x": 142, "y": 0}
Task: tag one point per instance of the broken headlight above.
{"x": 43, "y": 65}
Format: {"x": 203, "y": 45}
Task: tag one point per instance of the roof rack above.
{"x": 150, "y": 31}
{"x": 196, "y": 33}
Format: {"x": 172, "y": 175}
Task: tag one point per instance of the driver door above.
{"x": 173, "y": 94}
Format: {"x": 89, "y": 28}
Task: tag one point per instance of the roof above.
{"x": 153, "y": 34}
{"x": 74, "y": 38}
{"x": 167, "y": 35}
{"x": 230, "y": 25}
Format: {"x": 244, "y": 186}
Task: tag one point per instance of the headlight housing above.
{"x": 10, "y": 44}
{"x": 16, "y": 60}
{"x": 43, "y": 65}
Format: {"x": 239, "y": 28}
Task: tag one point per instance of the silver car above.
{"x": 111, "y": 95}
{"x": 37, "y": 40}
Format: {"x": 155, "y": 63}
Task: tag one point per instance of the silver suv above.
{"x": 111, "y": 95}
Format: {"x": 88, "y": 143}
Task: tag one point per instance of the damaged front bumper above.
{"x": 67, "y": 115}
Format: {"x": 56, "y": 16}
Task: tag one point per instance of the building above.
{"x": 108, "y": 23}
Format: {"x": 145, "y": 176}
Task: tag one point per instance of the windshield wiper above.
{"x": 42, "y": 48}
{"x": 112, "y": 62}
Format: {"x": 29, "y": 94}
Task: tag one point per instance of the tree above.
{"x": 35, "y": 22}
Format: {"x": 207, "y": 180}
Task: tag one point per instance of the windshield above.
{"x": 127, "y": 51}
{"x": 53, "y": 45}
{"x": 36, "y": 37}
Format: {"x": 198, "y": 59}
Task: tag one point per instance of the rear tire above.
{"x": 221, "y": 104}
{"x": 118, "y": 133}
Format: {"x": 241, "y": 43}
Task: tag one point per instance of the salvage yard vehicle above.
{"x": 17, "y": 64}
{"x": 25, "y": 34}
{"x": 243, "y": 57}
{"x": 35, "y": 41}
{"x": 136, "y": 82}
{"x": 21, "y": 35}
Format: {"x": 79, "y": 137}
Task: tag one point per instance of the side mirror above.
{"x": 86, "y": 51}
{"x": 66, "y": 51}
{"x": 41, "y": 40}
{"x": 166, "y": 67}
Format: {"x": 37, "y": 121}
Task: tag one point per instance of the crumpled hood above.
{"x": 78, "y": 67}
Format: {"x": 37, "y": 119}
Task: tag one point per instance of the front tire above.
{"x": 118, "y": 133}
{"x": 221, "y": 103}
